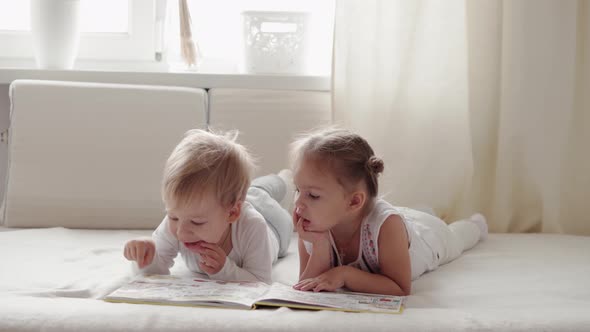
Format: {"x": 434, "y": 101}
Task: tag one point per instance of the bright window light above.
{"x": 218, "y": 29}
{"x": 109, "y": 16}
{"x": 14, "y": 15}
{"x": 102, "y": 16}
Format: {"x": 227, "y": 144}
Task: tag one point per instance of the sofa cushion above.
{"x": 268, "y": 120}
{"x": 91, "y": 155}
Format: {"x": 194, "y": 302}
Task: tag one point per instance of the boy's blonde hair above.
{"x": 347, "y": 154}
{"x": 207, "y": 162}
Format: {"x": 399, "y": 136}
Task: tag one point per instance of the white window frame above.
{"x": 137, "y": 44}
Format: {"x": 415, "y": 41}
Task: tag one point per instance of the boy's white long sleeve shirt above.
{"x": 255, "y": 249}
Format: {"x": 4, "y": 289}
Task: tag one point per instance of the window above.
{"x": 133, "y": 30}
{"x": 111, "y": 29}
{"x": 16, "y": 17}
{"x": 218, "y": 30}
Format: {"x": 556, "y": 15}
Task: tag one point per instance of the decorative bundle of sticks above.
{"x": 187, "y": 46}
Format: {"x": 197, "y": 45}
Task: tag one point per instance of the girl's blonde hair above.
{"x": 347, "y": 154}
{"x": 207, "y": 162}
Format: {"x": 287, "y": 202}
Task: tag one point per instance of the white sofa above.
{"x": 84, "y": 172}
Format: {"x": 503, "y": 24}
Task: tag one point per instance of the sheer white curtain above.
{"x": 473, "y": 105}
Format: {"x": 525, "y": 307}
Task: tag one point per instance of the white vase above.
{"x": 55, "y": 27}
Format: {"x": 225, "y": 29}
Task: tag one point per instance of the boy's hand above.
{"x": 141, "y": 250}
{"x": 212, "y": 257}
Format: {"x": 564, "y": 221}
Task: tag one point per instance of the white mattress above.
{"x": 53, "y": 279}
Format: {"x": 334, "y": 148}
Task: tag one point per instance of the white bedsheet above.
{"x": 53, "y": 279}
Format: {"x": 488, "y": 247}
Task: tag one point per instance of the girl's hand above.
{"x": 330, "y": 281}
{"x": 309, "y": 236}
{"x": 141, "y": 250}
{"x": 212, "y": 257}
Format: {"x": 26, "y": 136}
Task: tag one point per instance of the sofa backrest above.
{"x": 91, "y": 155}
{"x": 268, "y": 120}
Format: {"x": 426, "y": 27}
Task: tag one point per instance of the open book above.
{"x": 190, "y": 291}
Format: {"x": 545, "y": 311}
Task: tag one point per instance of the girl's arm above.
{"x": 394, "y": 260}
{"x": 316, "y": 263}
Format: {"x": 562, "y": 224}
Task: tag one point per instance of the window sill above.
{"x": 154, "y": 73}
